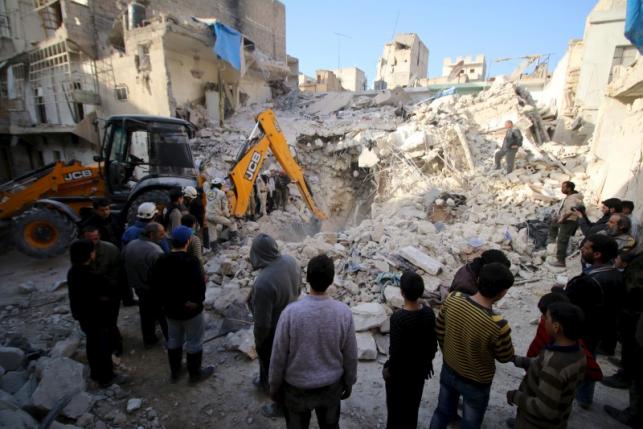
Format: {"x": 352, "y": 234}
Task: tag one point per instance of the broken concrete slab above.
{"x": 368, "y": 315}
{"x": 393, "y": 296}
{"x": 421, "y": 259}
{"x": 134, "y": 404}
{"x": 383, "y": 342}
{"x": 11, "y": 358}
{"x": 366, "y": 347}
{"x": 58, "y": 377}
{"x": 243, "y": 341}
{"x": 16, "y": 419}
{"x": 66, "y": 347}
{"x": 13, "y": 381}
{"x": 79, "y": 405}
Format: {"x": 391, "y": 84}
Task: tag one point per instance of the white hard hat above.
{"x": 217, "y": 181}
{"x": 189, "y": 192}
{"x": 146, "y": 211}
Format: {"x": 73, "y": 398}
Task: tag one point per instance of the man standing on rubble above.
{"x": 107, "y": 263}
{"x": 277, "y": 285}
{"x": 139, "y": 257}
{"x": 510, "y": 146}
{"x": 314, "y": 361}
{"x": 217, "y": 212}
{"x": 565, "y": 222}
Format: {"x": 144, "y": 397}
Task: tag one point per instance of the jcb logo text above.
{"x": 75, "y": 175}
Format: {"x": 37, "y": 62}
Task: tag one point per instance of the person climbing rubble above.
{"x": 218, "y": 212}
{"x": 277, "y": 285}
{"x": 314, "y": 358}
{"x": 177, "y": 280}
{"x": 510, "y": 145}
{"x": 565, "y": 222}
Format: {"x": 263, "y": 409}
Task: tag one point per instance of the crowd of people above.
{"x": 306, "y": 343}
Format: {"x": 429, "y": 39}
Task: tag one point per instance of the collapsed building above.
{"x": 405, "y": 59}
{"x": 71, "y": 62}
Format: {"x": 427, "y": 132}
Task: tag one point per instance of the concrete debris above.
{"x": 368, "y": 315}
{"x": 13, "y": 381}
{"x": 393, "y": 296}
{"x": 58, "y": 378}
{"x": 16, "y": 419}
{"x": 79, "y": 405}
{"x": 243, "y": 341}
{"x": 421, "y": 260}
{"x": 134, "y": 404}
{"x": 66, "y": 347}
{"x": 366, "y": 347}
{"x": 11, "y": 358}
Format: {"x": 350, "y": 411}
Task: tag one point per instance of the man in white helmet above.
{"x": 217, "y": 211}
{"x": 144, "y": 215}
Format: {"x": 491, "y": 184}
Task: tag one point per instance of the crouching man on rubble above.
{"x": 510, "y": 146}
{"x": 314, "y": 356}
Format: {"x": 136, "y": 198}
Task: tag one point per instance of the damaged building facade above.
{"x": 404, "y": 61}
{"x": 67, "y": 64}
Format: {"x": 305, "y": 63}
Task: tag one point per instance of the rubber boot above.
{"x": 175, "y": 356}
{"x": 198, "y": 374}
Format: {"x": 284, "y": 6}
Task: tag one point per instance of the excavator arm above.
{"x": 249, "y": 164}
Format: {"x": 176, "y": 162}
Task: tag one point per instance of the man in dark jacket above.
{"x": 599, "y": 292}
{"x": 139, "y": 256}
{"x": 108, "y": 225}
{"x": 277, "y": 285}
{"x": 91, "y": 302}
{"x": 466, "y": 278}
{"x": 108, "y": 264}
{"x": 145, "y": 214}
{"x": 177, "y": 279}
{"x": 608, "y": 208}
{"x": 510, "y": 146}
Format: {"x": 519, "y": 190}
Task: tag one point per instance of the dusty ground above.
{"x": 229, "y": 399}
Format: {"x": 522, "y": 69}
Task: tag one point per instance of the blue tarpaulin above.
{"x": 227, "y": 44}
{"x": 634, "y": 23}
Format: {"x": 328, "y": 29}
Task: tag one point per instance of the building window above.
{"x": 624, "y": 56}
{"x": 56, "y": 155}
{"x": 143, "y": 62}
{"x": 121, "y": 92}
{"x": 5, "y": 29}
{"x": 41, "y": 109}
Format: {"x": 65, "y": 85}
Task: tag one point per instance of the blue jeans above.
{"x": 474, "y": 395}
{"x": 189, "y": 332}
{"x": 585, "y": 390}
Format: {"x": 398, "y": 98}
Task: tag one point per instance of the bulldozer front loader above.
{"x": 250, "y": 162}
{"x": 42, "y": 207}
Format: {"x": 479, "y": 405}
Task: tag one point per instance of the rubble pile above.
{"x": 50, "y": 389}
{"x": 404, "y": 187}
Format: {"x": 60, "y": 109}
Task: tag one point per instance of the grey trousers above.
{"x": 189, "y": 332}
{"x": 509, "y": 155}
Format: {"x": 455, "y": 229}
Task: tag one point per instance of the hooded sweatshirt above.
{"x": 277, "y": 285}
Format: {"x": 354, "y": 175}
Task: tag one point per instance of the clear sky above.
{"x": 496, "y": 28}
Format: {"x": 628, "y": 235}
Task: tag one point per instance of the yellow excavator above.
{"x": 266, "y": 135}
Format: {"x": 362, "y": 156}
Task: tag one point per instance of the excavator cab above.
{"x": 144, "y": 156}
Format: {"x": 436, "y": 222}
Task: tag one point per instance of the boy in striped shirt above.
{"x": 472, "y": 337}
{"x": 545, "y": 396}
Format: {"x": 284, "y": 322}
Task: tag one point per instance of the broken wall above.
{"x": 262, "y": 21}
{"x": 405, "y": 60}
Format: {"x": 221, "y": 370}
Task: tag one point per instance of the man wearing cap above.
{"x": 217, "y": 212}
{"x": 177, "y": 279}
{"x": 144, "y": 215}
{"x": 139, "y": 256}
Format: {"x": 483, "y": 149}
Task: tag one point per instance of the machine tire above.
{"x": 160, "y": 197}
{"x": 43, "y": 232}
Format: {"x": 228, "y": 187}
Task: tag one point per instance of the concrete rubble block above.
{"x": 26, "y": 288}
{"x": 421, "y": 260}
{"x": 367, "y": 158}
{"x": 16, "y": 419}
{"x": 79, "y": 405}
{"x": 134, "y": 404}
{"x": 23, "y": 396}
{"x": 58, "y": 425}
{"x": 393, "y": 296}
{"x": 243, "y": 341}
{"x": 58, "y": 378}
{"x": 13, "y": 381}
{"x": 368, "y": 315}
{"x": 382, "y": 342}
{"x": 7, "y": 401}
{"x": 385, "y": 327}
{"x": 66, "y": 347}
{"x": 231, "y": 294}
{"x": 366, "y": 347}
{"x": 11, "y": 358}
{"x": 211, "y": 295}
